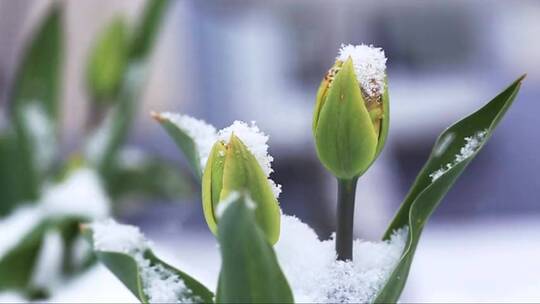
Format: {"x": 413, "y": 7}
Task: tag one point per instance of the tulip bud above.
{"x": 231, "y": 167}
{"x": 350, "y": 122}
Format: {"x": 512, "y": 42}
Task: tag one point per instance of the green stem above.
{"x": 345, "y": 218}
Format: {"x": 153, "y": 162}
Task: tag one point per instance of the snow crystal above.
{"x": 203, "y": 134}
{"x": 314, "y": 274}
{"x": 369, "y": 66}
{"x": 81, "y": 194}
{"x": 472, "y": 143}
{"x": 256, "y": 142}
{"x": 160, "y": 284}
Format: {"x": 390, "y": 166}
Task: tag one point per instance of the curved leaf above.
{"x": 128, "y": 270}
{"x": 428, "y": 189}
{"x": 184, "y": 142}
{"x": 250, "y": 272}
{"x": 34, "y": 102}
{"x": 105, "y": 143}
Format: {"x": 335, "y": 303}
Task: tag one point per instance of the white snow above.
{"x": 314, "y": 274}
{"x": 80, "y": 195}
{"x": 369, "y": 66}
{"x": 110, "y": 236}
{"x": 205, "y": 136}
{"x": 230, "y": 199}
{"x": 160, "y": 284}
{"x": 472, "y": 143}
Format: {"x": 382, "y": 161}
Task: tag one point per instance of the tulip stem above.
{"x": 345, "y": 218}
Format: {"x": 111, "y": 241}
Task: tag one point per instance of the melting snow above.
{"x": 316, "y": 277}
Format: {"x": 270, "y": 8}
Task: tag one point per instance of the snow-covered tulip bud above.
{"x": 232, "y": 167}
{"x": 350, "y": 123}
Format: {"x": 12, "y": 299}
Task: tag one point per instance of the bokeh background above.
{"x": 263, "y": 61}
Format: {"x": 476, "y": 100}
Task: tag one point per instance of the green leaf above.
{"x": 12, "y": 174}
{"x": 35, "y": 100}
{"x": 127, "y": 270}
{"x": 146, "y": 32}
{"x": 17, "y": 264}
{"x": 108, "y": 61}
{"x": 104, "y": 144}
{"x": 250, "y": 272}
{"x": 426, "y": 193}
{"x": 184, "y": 142}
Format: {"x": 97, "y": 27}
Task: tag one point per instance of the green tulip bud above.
{"x": 350, "y": 122}
{"x": 231, "y": 167}
{"x": 107, "y": 62}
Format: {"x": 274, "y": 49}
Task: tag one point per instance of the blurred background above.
{"x": 263, "y": 61}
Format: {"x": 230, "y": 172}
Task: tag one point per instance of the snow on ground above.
{"x": 316, "y": 277}
{"x": 474, "y": 261}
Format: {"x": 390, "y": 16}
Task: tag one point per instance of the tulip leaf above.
{"x": 185, "y": 143}
{"x": 250, "y": 272}
{"x": 34, "y": 103}
{"x": 345, "y": 136}
{"x": 451, "y": 154}
{"x": 128, "y": 270}
{"x": 17, "y": 264}
{"x": 104, "y": 144}
{"x": 12, "y": 173}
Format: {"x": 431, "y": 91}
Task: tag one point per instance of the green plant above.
{"x": 44, "y": 197}
{"x": 350, "y": 127}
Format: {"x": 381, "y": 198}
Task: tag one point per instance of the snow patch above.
{"x": 47, "y": 272}
{"x": 472, "y": 143}
{"x": 160, "y": 285}
{"x": 316, "y": 277}
{"x": 369, "y": 64}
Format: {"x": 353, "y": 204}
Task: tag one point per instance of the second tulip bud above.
{"x": 232, "y": 167}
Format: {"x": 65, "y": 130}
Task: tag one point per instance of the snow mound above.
{"x": 316, "y": 277}
{"x": 160, "y": 284}
{"x": 369, "y": 64}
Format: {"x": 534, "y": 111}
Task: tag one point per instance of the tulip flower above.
{"x": 232, "y": 167}
{"x": 350, "y": 122}
{"x": 350, "y": 125}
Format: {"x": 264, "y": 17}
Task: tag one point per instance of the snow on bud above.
{"x": 350, "y": 122}
{"x": 231, "y": 168}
